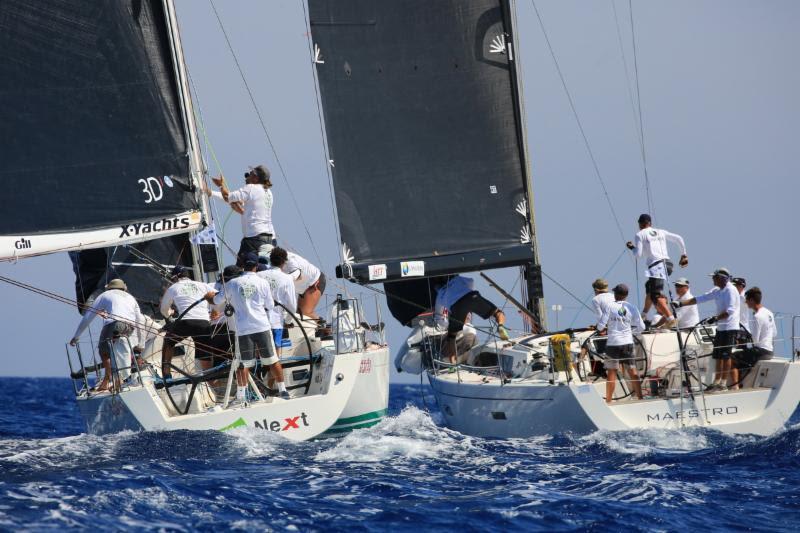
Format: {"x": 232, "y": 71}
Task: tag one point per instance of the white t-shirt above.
{"x": 622, "y": 318}
{"x": 220, "y": 308}
{"x": 257, "y": 203}
{"x": 302, "y": 272}
{"x": 251, "y": 299}
{"x": 652, "y": 244}
{"x": 283, "y": 292}
{"x": 183, "y": 293}
{"x": 114, "y": 305}
{"x": 726, "y": 300}
{"x": 745, "y": 316}
{"x": 764, "y": 329}
{"x": 600, "y": 302}
{"x": 448, "y": 294}
{"x": 688, "y": 316}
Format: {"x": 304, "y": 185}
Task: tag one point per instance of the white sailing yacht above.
{"x": 423, "y": 106}
{"x": 99, "y": 116}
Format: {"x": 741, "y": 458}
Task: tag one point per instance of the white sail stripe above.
{"x": 13, "y": 247}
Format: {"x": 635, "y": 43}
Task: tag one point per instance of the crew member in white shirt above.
{"x": 223, "y": 327}
{"x": 121, "y": 333}
{"x": 651, "y": 243}
{"x": 602, "y": 298}
{"x": 688, "y": 317}
{"x": 622, "y": 319}
{"x": 726, "y": 298}
{"x": 309, "y": 281}
{"x": 254, "y": 203}
{"x": 251, "y": 298}
{"x": 744, "y": 312}
{"x": 283, "y": 294}
{"x": 764, "y": 329}
{"x": 458, "y": 297}
{"x": 185, "y": 299}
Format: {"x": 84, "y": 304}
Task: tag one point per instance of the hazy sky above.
{"x": 719, "y": 84}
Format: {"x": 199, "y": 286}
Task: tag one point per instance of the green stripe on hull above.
{"x": 344, "y": 429}
{"x": 366, "y": 416}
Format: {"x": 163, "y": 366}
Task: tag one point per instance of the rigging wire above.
{"x": 325, "y": 148}
{"x": 201, "y": 122}
{"x": 648, "y": 190}
{"x": 580, "y": 125}
{"x": 265, "y": 130}
{"x": 631, "y": 100}
{"x": 610, "y": 269}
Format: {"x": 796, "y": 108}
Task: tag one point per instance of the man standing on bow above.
{"x": 651, "y": 243}
{"x": 726, "y": 298}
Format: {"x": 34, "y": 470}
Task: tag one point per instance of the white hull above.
{"x": 524, "y": 396}
{"x": 492, "y": 410}
{"x": 345, "y": 391}
{"x": 302, "y": 418}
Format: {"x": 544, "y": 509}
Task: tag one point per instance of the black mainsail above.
{"x": 426, "y": 139}
{"x": 95, "y": 148}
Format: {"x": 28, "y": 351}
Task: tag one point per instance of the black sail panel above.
{"x": 91, "y": 121}
{"x": 422, "y": 127}
{"x": 144, "y": 267}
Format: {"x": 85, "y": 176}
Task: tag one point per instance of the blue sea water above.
{"x": 408, "y": 473}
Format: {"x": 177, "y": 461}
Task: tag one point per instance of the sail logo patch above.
{"x": 412, "y": 268}
{"x": 143, "y": 228}
{"x": 24, "y": 244}
{"x": 377, "y": 272}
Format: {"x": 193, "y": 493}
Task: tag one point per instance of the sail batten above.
{"x": 423, "y": 128}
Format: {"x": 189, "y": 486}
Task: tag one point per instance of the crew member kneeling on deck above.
{"x": 188, "y": 298}
{"x": 251, "y": 298}
{"x": 622, "y": 319}
{"x": 309, "y": 281}
{"x": 458, "y": 297}
{"x": 122, "y": 329}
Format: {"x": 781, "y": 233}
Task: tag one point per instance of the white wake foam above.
{"x": 412, "y": 434}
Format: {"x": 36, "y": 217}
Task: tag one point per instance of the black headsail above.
{"x": 95, "y": 149}
{"x": 426, "y": 137}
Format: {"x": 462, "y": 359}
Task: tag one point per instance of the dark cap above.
{"x": 621, "y": 289}
{"x": 230, "y": 272}
{"x": 739, "y": 282}
{"x": 250, "y": 260}
{"x": 179, "y": 271}
{"x": 263, "y": 174}
{"x": 644, "y": 218}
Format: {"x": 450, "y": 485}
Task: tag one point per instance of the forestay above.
{"x": 95, "y": 151}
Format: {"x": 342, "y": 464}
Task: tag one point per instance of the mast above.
{"x": 203, "y": 264}
{"x": 532, "y": 272}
